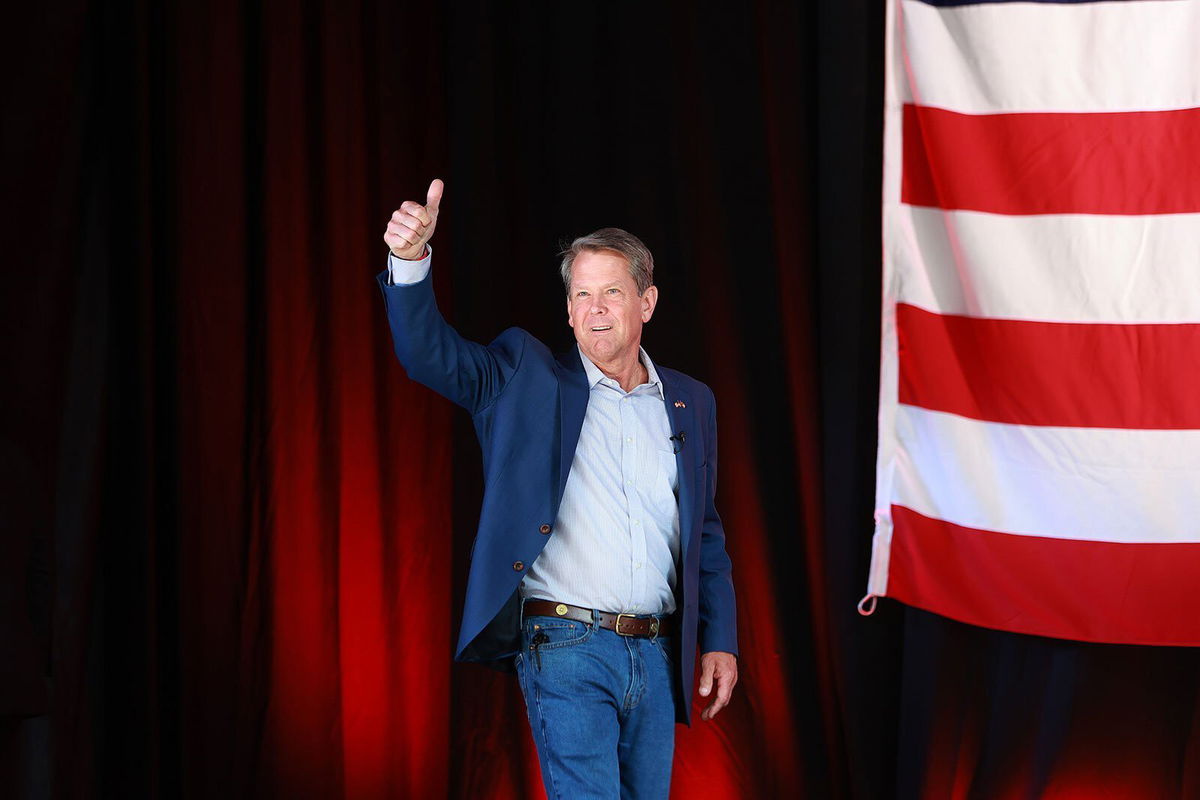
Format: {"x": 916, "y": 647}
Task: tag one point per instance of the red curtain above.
{"x": 335, "y": 490}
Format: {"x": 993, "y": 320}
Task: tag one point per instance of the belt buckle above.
{"x": 617, "y": 626}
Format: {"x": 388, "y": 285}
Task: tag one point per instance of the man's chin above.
{"x": 597, "y": 350}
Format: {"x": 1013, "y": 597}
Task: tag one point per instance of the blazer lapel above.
{"x": 572, "y": 403}
{"x": 680, "y": 415}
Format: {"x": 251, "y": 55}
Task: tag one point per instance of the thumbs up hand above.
{"x": 411, "y": 225}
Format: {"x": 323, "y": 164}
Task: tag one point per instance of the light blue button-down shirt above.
{"x": 615, "y": 544}
{"x": 616, "y": 539}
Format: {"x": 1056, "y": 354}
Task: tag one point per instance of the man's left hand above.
{"x": 721, "y": 668}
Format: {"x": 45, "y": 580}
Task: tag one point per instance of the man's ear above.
{"x": 649, "y": 301}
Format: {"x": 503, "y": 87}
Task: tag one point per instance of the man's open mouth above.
{"x": 598, "y": 328}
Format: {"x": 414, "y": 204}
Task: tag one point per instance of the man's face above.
{"x": 603, "y": 306}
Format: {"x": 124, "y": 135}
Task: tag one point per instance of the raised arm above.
{"x": 432, "y": 352}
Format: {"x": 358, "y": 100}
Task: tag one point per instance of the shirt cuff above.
{"x": 404, "y": 272}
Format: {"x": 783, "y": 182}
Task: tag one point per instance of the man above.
{"x": 600, "y": 561}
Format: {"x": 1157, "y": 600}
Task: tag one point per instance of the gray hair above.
{"x": 635, "y": 252}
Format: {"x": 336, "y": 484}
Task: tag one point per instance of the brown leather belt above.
{"x": 623, "y": 624}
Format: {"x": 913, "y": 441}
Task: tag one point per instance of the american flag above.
{"x": 1039, "y": 441}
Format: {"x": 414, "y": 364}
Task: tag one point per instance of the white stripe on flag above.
{"x": 1066, "y": 483}
{"x": 1006, "y": 57}
{"x": 1051, "y": 268}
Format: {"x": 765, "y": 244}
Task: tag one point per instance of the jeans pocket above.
{"x": 550, "y": 633}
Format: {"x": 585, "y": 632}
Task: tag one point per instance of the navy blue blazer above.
{"x": 528, "y": 407}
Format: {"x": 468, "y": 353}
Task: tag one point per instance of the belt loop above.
{"x": 658, "y": 630}
{"x": 595, "y": 618}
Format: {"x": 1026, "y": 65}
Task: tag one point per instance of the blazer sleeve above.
{"x": 718, "y": 606}
{"x": 434, "y": 354}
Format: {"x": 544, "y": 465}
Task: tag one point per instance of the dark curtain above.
{"x": 236, "y": 533}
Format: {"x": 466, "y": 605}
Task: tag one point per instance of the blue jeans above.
{"x": 601, "y": 710}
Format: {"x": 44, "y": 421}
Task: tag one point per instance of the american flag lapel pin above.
{"x": 680, "y": 404}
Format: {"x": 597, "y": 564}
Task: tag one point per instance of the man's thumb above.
{"x": 433, "y": 198}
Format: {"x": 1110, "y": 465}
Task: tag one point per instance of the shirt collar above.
{"x": 594, "y": 375}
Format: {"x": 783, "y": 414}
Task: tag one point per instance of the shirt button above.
{"x": 637, "y": 522}
{"x": 544, "y": 529}
{"x": 518, "y": 566}
{"x": 629, "y": 438}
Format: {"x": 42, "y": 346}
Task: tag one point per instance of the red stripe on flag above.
{"x": 1065, "y": 588}
{"x": 1140, "y": 162}
{"x": 1089, "y": 375}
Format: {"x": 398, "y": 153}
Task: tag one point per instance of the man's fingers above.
{"x": 713, "y": 708}
{"x": 725, "y": 683}
{"x": 725, "y": 688}
{"x": 410, "y": 222}
{"x": 433, "y": 198}
{"x": 394, "y": 242}
{"x": 414, "y": 209}
{"x": 405, "y": 218}
{"x": 399, "y": 231}
{"x": 409, "y": 209}
{"x": 403, "y": 232}
{"x": 410, "y": 225}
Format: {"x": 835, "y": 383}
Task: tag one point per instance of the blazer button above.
{"x": 518, "y": 566}
{"x": 544, "y": 529}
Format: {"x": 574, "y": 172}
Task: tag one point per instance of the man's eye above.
{"x": 581, "y": 294}
{"x": 613, "y": 291}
